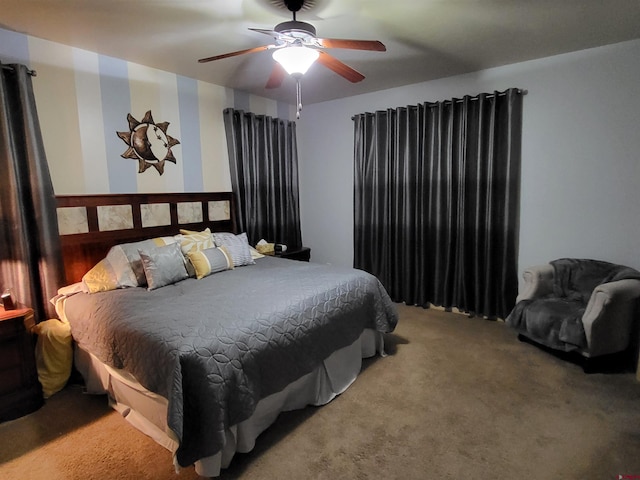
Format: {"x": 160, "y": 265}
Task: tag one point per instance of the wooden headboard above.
{"x": 91, "y": 224}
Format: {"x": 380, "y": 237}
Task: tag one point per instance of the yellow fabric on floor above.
{"x": 54, "y": 355}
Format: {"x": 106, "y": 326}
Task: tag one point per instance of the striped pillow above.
{"x": 237, "y": 246}
{"x": 210, "y": 260}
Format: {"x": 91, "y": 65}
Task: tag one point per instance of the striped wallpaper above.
{"x": 83, "y": 99}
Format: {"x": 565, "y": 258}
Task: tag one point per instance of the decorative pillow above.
{"x": 255, "y": 254}
{"x": 210, "y": 260}
{"x": 191, "y": 241}
{"x": 163, "y": 265}
{"x": 184, "y": 231}
{"x": 113, "y": 271}
{"x": 102, "y": 278}
{"x": 237, "y": 245}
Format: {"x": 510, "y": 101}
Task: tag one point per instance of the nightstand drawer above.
{"x": 10, "y": 329}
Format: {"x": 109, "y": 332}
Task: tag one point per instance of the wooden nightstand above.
{"x": 303, "y": 254}
{"x": 20, "y": 390}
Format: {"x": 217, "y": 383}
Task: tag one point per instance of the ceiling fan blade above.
{"x": 271, "y": 33}
{"x": 340, "y": 68}
{"x": 373, "y": 45}
{"x": 277, "y": 76}
{"x": 233, "y": 54}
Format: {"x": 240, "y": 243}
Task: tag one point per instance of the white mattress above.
{"x": 147, "y": 411}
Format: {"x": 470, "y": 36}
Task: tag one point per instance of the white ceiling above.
{"x": 425, "y": 39}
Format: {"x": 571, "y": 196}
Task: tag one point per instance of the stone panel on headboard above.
{"x": 155, "y": 214}
{"x": 189, "y": 212}
{"x": 72, "y": 220}
{"x": 219, "y": 210}
{"x": 115, "y": 217}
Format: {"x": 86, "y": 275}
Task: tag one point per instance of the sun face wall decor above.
{"x": 148, "y": 143}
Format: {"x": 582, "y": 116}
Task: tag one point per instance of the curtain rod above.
{"x": 474, "y": 98}
{"x": 487, "y": 95}
{"x": 33, "y": 73}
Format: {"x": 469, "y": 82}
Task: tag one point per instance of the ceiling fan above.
{"x": 297, "y": 47}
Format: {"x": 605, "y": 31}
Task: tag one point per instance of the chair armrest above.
{"x": 609, "y": 316}
{"x": 538, "y": 281}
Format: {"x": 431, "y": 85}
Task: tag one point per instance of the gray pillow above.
{"x": 130, "y": 250}
{"x": 237, "y": 246}
{"x": 163, "y": 265}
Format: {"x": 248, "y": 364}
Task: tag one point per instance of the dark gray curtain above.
{"x": 263, "y": 158}
{"x": 436, "y": 207}
{"x": 30, "y": 253}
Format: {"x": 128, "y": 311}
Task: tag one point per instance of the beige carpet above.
{"x": 456, "y": 398}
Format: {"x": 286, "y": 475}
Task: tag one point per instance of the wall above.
{"x": 83, "y": 99}
{"x": 580, "y": 156}
{"x": 580, "y": 165}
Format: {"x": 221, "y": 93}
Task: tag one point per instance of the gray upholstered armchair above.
{"x": 586, "y": 306}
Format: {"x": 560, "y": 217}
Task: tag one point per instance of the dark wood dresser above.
{"x": 20, "y": 390}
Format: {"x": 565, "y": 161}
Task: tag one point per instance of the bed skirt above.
{"x": 147, "y": 411}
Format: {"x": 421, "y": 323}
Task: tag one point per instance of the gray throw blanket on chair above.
{"x": 555, "y": 320}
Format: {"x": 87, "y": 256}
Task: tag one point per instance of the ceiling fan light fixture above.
{"x": 296, "y": 60}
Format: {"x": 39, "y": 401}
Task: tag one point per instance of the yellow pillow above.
{"x": 100, "y": 278}
{"x": 192, "y": 232}
{"x": 193, "y": 241}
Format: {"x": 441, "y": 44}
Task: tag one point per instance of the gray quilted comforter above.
{"x": 214, "y": 347}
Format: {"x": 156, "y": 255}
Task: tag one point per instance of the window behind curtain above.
{"x": 263, "y": 160}
{"x": 436, "y": 201}
{"x": 30, "y": 252}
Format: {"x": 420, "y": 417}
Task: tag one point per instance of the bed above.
{"x": 204, "y": 360}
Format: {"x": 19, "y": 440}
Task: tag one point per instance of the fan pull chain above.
{"x": 298, "y": 99}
